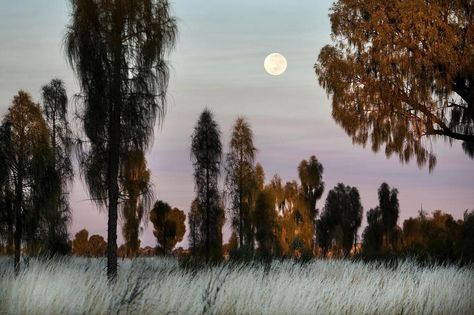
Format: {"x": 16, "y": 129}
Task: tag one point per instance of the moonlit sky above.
{"x": 218, "y": 63}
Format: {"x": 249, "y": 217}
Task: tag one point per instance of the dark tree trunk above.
{"x": 241, "y": 214}
{"x": 114, "y": 151}
{"x": 208, "y": 223}
{"x": 18, "y": 217}
{"x": 113, "y": 192}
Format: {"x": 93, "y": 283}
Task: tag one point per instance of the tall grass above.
{"x": 160, "y": 286}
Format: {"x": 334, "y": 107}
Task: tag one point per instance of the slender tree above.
{"x": 26, "y": 155}
{"x": 55, "y": 107}
{"x": 312, "y": 187}
{"x": 240, "y": 181}
{"x": 389, "y": 208}
{"x": 400, "y": 79}
{"x": 117, "y": 51}
{"x": 206, "y": 155}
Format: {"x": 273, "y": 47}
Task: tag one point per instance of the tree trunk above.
{"x": 208, "y": 224}
{"x": 18, "y": 217}
{"x": 114, "y": 133}
{"x": 241, "y": 214}
{"x": 113, "y": 205}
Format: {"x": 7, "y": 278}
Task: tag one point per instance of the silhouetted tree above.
{"x": 373, "y": 233}
{"x": 55, "y": 103}
{"x": 400, "y": 79}
{"x": 312, "y": 186}
{"x": 169, "y": 227}
{"x": 26, "y": 155}
{"x": 323, "y": 233}
{"x": 465, "y": 244}
{"x": 7, "y": 213}
{"x": 206, "y": 155}
{"x": 195, "y": 222}
{"x": 117, "y": 51}
{"x": 343, "y": 211}
{"x": 265, "y": 224}
{"x": 136, "y": 195}
{"x": 389, "y": 208}
{"x": 240, "y": 181}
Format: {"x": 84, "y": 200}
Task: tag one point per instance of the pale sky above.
{"x": 218, "y": 63}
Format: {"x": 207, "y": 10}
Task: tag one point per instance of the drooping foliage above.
{"x": 136, "y": 198}
{"x": 55, "y": 109}
{"x": 399, "y": 79}
{"x": 117, "y": 50}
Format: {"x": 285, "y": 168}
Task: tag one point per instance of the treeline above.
{"x": 277, "y": 220}
{"x": 269, "y": 219}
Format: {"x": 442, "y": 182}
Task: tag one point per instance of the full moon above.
{"x": 275, "y": 64}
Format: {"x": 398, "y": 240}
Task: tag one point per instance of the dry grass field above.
{"x": 161, "y": 286}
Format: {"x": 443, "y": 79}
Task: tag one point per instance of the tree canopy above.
{"x": 241, "y": 181}
{"x": 342, "y": 217}
{"x": 26, "y": 156}
{"x": 117, "y": 50}
{"x": 169, "y": 227}
{"x": 55, "y": 109}
{"x": 206, "y": 156}
{"x": 401, "y": 79}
